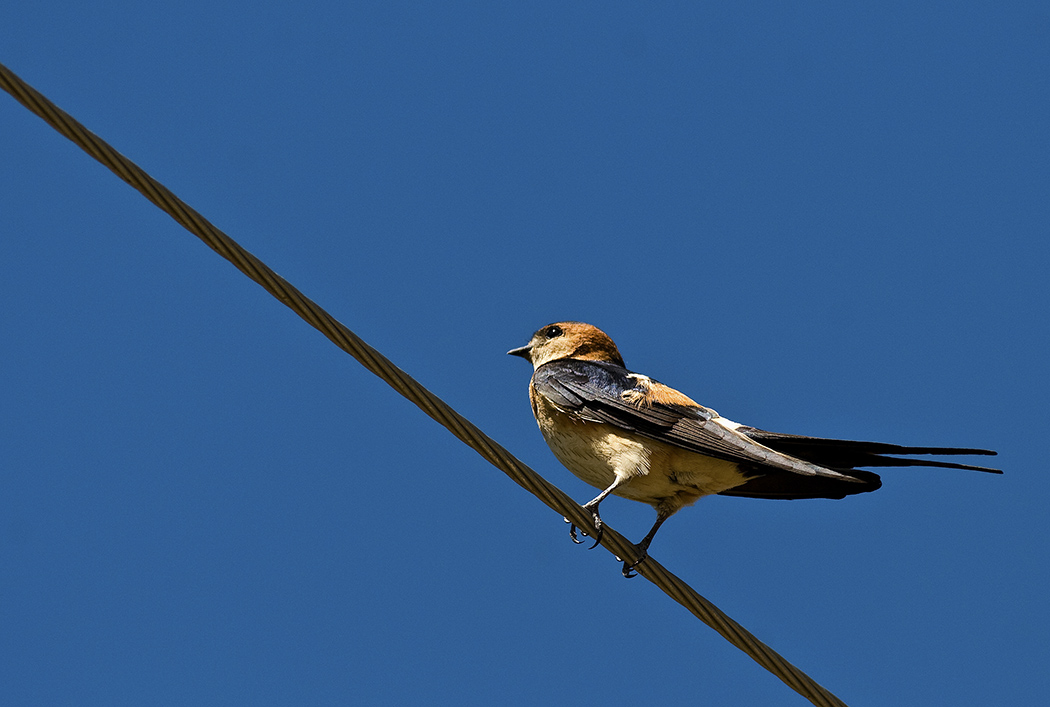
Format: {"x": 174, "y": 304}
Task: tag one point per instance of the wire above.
{"x": 404, "y": 384}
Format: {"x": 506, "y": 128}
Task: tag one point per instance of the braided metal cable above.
{"x": 404, "y": 384}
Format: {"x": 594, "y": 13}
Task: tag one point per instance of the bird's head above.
{"x": 569, "y": 340}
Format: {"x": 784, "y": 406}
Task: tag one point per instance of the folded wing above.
{"x": 595, "y": 391}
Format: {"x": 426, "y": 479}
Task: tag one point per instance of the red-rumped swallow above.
{"x": 631, "y": 436}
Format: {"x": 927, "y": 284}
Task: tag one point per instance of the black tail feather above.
{"x": 787, "y": 486}
{"x": 843, "y": 454}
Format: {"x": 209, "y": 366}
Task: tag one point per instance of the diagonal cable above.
{"x": 409, "y": 388}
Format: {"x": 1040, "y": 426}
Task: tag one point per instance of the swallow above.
{"x": 629, "y": 435}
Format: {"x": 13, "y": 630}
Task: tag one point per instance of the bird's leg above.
{"x": 592, "y": 507}
{"x": 643, "y": 546}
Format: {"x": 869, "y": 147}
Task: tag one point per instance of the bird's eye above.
{"x": 552, "y": 332}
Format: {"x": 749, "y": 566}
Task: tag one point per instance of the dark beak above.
{"x": 524, "y": 351}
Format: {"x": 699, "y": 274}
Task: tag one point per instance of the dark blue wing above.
{"x": 597, "y": 391}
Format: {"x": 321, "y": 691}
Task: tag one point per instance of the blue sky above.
{"x": 819, "y": 219}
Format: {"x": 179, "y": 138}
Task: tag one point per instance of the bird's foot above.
{"x": 628, "y": 567}
{"x": 597, "y": 524}
{"x": 572, "y": 532}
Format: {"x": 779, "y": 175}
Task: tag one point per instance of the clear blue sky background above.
{"x": 816, "y": 218}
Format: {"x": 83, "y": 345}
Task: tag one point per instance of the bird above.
{"x": 634, "y": 437}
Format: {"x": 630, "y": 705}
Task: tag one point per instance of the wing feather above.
{"x": 595, "y": 391}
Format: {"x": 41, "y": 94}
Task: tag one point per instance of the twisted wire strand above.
{"x": 404, "y": 384}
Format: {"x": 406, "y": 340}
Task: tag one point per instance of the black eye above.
{"x": 552, "y": 331}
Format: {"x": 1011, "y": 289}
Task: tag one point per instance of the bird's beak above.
{"x": 524, "y": 351}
